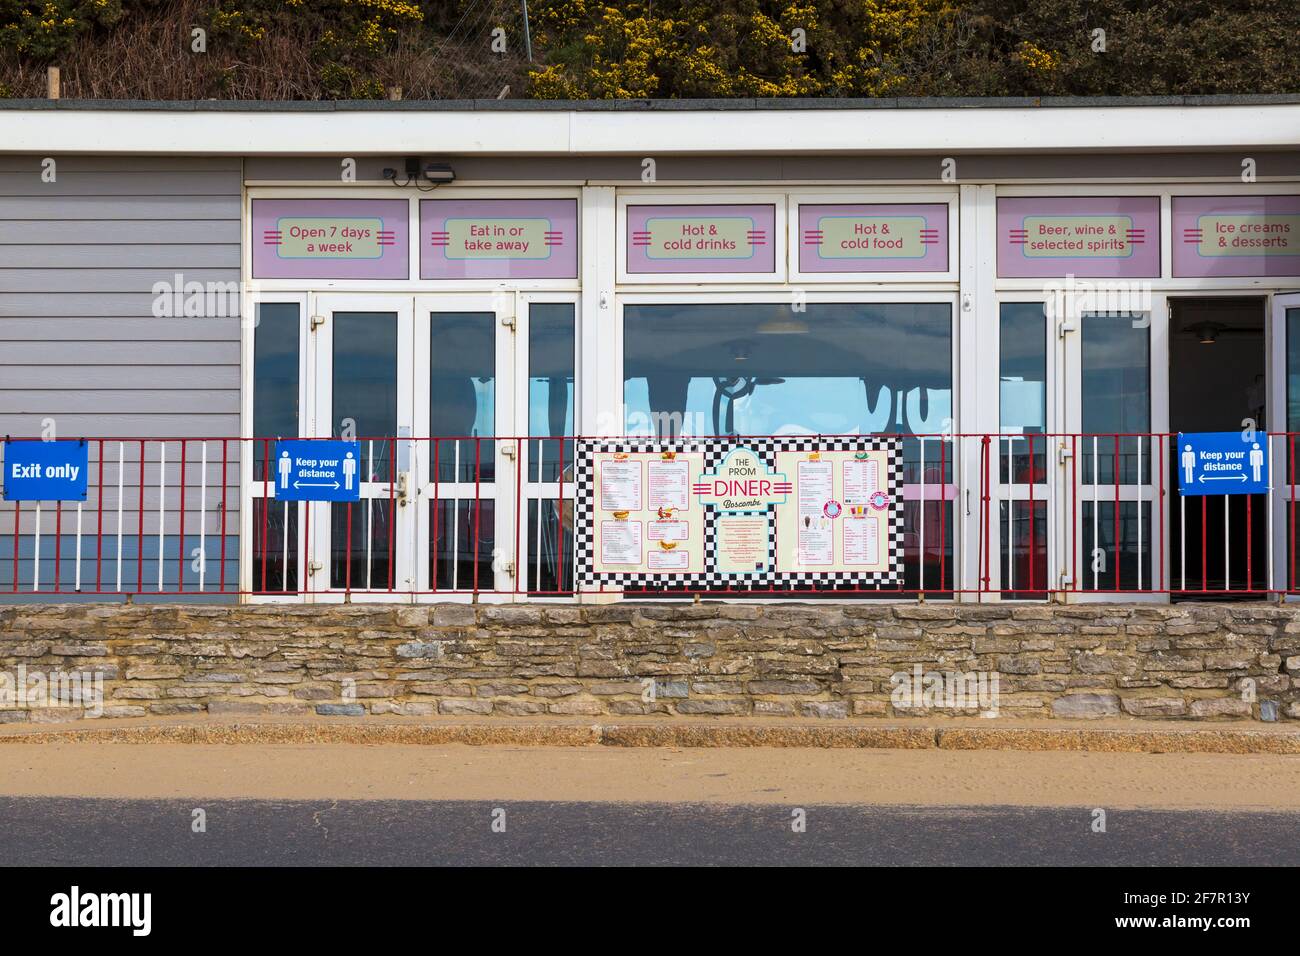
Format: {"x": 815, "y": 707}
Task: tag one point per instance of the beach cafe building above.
{"x": 744, "y": 350}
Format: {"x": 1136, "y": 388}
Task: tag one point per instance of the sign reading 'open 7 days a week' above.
{"x": 499, "y": 239}
{"x": 701, "y": 239}
{"x": 873, "y": 238}
{"x": 1236, "y": 236}
{"x": 1088, "y": 236}
{"x": 739, "y": 514}
{"x": 330, "y": 238}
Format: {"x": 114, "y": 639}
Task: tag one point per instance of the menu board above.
{"x": 1115, "y": 237}
{"x": 642, "y": 517}
{"x": 701, "y": 239}
{"x": 1236, "y": 236}
{"x": 873, "y": 238}
{"x": 498, "y": 239}
{"x": 724, "y": 514}
{"x": 330, "y": 238}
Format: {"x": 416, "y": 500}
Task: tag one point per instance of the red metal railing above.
{"x": 1027, "y": 516}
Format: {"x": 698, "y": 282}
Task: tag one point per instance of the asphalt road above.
{"x": 43, "y": 831}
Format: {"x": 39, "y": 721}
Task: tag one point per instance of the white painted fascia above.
{"x": 648, "y": 133}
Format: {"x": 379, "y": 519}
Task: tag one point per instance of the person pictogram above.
{"x": 1256, "y": 461}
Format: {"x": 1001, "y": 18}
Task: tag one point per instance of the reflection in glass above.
{"x": 462, "y": 393}
{"x": 828, "y": 369}
{"x": 462, "y": 535}
{"x": 1104, "y": 566}
{"x": 765, "y": 369}
{"x": 550, "y": 546}
{"x": 365, "y": 385}
{"x": 1115, "y": 365}
{"x": 275, "y": 376}
{"x": 1293, "y": 370}
{"x": 1024, "y": 549}
{"x": 275, "y": 545}
{"x": 1022, "y": 390}
{"x": 368, "y": 555}
{"x": 550, "y": 388}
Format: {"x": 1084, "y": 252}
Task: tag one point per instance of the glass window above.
{"x": 550, "y": 387}
{"x": 365, "y": 385}
{"x": 767, "y": 369}
{"x": 550, "y": 419}
{"x": 1293, "y": 370}
{"x": 1022, "y": 387}
{"x": 1115, "y": 368}
{"x": 275, "y": 375}
{"x": 1022, "y": 416}
{"x": 462, "y": 393}
{"x": 827, "y": 368}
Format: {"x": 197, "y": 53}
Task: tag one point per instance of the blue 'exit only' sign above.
{"x": 45, "y": 470}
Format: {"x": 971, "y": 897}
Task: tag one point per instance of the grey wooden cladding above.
{"x": 79, "y": 341}
{"x": 92, "y": 329}
{"x": 55, "y": 281}
{"x": 119, "y": 232}
{"x": 59, "y": 353}
{"x": 84, "y": 304}
{"x": 126, "y": 255}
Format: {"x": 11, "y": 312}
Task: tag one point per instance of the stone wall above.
{"x": 824, "y": 660}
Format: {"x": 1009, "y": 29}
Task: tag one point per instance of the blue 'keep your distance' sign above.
{"x": 46, "y": 470}
{"x": 317, "y": 470}
{"x": 1222, "y": 463}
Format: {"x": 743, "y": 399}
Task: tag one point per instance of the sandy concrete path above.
{"x": 716, "y": 775}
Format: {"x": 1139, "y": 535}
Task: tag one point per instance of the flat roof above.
{"x": 658, "y": 105}
{"x": 749, "y": 127}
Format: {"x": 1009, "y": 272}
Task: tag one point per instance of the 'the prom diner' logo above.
{"x": 742, "y": 482}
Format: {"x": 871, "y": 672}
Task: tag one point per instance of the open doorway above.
{"x": 1217, "y": 381}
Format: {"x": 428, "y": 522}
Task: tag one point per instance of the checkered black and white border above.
{"x": 715, "y": 450}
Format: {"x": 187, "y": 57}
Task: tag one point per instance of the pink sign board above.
{"x": 498, "y": 239}
{"x": 330, "y": 239}
{"x": 1109, "y": 237}
{"x": 701, "y": 239}
{"x": 1236, "y": 236}
{"x": 873, "y": 238}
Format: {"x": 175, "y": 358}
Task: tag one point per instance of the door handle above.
{"x": 402, "y": 489}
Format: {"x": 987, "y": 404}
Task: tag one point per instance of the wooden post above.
{"x": 52, "y": 83}
{"x": 395, "y": 93}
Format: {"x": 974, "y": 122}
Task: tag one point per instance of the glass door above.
{"x": 1284, "y": 409}
{"x": 1026, "y": 447}
{"x": 364, "y": 391}
{"x": 467, "y": 456}
{"x": 1113, "y": 469}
